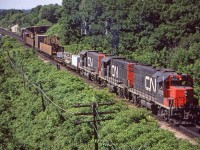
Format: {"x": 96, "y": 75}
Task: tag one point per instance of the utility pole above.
{"x": 94, "y": 107}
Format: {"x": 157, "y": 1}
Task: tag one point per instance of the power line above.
{"x": 34, "y": 85}
{"x": 45, "y": 97}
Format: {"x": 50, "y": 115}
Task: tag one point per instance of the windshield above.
{"x": 181, "y": 83}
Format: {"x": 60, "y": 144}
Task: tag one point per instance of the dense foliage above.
{"x": 40, "y": 15}
{"x": 144, "y": 24}
{"x": 24, "y": 124}
{"x": 10, "y": 17}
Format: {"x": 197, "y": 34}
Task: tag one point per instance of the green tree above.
{"x": 49, "y": 12}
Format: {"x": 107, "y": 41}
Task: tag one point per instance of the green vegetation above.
{"x": 40, "y": 15}
{"x": 10, "y": 17}
{"x": 24, "y": 125}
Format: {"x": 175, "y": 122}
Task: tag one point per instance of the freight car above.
{"x": 50, "y": 46}
{"x": 34, "y": 36}
{"x": 29, "y": 33}
{"x": 165, "y": 92}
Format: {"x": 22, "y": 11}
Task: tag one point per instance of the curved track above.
{"x": 191, "y": 130}
{"x": 11, "y": 34}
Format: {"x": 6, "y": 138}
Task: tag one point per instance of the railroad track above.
{"x": 11, "y": 34}
{"x": 191, "y": 130}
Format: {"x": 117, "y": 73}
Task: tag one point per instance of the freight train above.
{"x": 165, "y": 92}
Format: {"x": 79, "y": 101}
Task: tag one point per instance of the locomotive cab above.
{"x": 181, "y": 90}
{"x": 175, "y": 89}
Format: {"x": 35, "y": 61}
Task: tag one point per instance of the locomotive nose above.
{"x": 182, "y": 95}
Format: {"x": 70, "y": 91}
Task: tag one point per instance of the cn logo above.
{"x": 90, "y": 62}
{"x": 150, "y": 84}
{"x": 114, "y": 71}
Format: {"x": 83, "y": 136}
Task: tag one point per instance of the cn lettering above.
{"x": 152, "y": 84}
{"x": 114, "y": 71}
{"x": 90, "y": 62}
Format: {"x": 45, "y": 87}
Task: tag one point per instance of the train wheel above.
{"x": 103, "y": 83}
{"x": 122, "y": 93}
{"x": 133, "y": 99}
{"x": 163, "y": 114}
{"x": 92, "y": 78}
{"x": 154, "y": 111}
{"x": 138, "y": 102}
{"x": 119, "y": 92}
{"x": 166, "y": 115}
{"x": 88, "y": 76}
{"x": 177, "y": 122}
{"x": 129, "y": 97}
